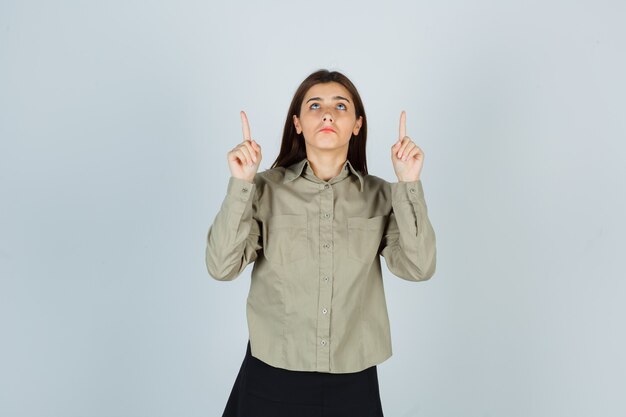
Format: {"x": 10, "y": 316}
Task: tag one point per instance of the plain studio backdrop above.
{"x": 115, "y": 121}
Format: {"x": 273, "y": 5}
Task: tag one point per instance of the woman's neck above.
{"x": 326, "y": 167}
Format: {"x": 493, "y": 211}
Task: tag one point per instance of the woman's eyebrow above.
{"x": 334, "y": 98}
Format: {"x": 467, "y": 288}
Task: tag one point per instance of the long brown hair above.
{"x": 293, "y": 149}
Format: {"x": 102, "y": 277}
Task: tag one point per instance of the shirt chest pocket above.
{"x": 285, "y": 239}
{"x": 364, "y": 237}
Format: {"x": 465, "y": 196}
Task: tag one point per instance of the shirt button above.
{"x": 326, "y": 186}
{"x": 244, "y": 189}
{"x": 412, "y": 190}
{"x": 325, "y": 278}
{"x": 326, "y": 246}
{"x": 326, "y": 215}
{"x": 323, "y": 342}
{"x": 324, "y": 311}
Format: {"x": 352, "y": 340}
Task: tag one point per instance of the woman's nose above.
{"x": 328, "y": 116}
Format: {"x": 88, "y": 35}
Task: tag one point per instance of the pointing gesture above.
{"x": 245, "y": 158}
{"x": 406, "y": 156}
{"x": 245, "y": 127}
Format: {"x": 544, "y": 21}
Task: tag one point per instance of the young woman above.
{"x": 315, "y": 225}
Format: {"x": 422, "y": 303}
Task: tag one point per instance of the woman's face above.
{"x": 327, "y": 117}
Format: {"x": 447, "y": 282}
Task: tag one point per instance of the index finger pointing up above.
{"x": 245, "y": 127}
{"x": 402, "y": 125}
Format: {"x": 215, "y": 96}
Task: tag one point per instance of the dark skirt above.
{"x": 262, "y": 390}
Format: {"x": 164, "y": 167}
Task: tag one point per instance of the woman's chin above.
{"x": 329, "y": 142}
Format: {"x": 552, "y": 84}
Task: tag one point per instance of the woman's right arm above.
{"x": 234, "y": 238}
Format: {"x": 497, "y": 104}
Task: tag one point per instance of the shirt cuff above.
{"x": 239, "y": 189}
{"x": 407, "y": 191}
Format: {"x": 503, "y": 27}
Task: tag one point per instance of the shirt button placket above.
{"x": 325, "y": 272}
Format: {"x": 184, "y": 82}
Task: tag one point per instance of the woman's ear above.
{"x": 357, "y": 126}
{"x": 296, "y": 123}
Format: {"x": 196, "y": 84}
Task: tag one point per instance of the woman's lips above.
{"x": 328, "y": 129}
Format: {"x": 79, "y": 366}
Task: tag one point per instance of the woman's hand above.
{"x": 406, "y": 156}
{"x": 245, "y": 158}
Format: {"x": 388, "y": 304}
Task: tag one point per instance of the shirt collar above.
{"x": 295, "y": 170}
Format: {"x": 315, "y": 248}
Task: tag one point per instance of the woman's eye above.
{"x": 340, "y": 104}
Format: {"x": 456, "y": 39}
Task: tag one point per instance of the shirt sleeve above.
{"x": 234, "y": 237}
{"x": 408, "y": 244}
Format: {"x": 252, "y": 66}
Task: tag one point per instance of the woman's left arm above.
{"x": 408, "y": 244}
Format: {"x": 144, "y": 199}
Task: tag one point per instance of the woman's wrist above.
{"x": 408, "y": 179}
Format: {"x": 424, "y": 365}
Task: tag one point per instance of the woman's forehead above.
{"x": 327, "y": 91}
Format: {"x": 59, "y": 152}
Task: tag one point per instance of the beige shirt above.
{"x": 316, "y": 299}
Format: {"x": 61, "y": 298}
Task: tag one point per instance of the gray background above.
{"x": 115, "y": 121}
